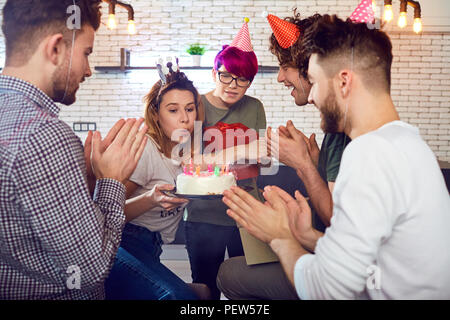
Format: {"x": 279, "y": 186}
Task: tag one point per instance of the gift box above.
{"x": 233, "y": 134}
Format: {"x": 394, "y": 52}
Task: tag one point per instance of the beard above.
{"x": 64, "y": 92}
{"x": 331, "y": 114}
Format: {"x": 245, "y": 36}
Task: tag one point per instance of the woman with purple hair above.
{"x": 232, "y": 62}
{"x": 209, "y": 230}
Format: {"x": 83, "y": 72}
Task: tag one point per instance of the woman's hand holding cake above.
{"x": 158, "y": 199}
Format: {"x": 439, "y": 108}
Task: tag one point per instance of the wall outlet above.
{"x": 84, "y": 126}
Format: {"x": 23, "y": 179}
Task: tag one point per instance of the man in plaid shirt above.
{"x": 57, "y": 241}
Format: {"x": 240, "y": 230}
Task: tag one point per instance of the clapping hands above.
{"x": 292, "y": 147}
{"x": 280, "y": 217}
{"x": 117, "y": 155}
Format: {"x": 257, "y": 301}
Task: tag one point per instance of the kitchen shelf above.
{"x": 118, "y": 69}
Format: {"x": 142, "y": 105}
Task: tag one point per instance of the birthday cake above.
{"x": 205, "y": 182}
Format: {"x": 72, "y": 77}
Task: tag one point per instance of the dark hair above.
{"x": 334, "y": 39}
{"x": 175, "y": 80}
{"x": 292, "y": 56}
{"x": 241, "y": 63}
{"x": 27, "y": 22}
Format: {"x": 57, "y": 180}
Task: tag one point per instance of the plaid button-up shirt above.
{"x": 56, "y": 242}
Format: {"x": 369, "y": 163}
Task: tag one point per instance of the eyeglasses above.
{"x": 227, "y": 78}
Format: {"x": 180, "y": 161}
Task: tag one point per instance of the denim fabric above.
{"x": 206, "y": 244}
{"x": 138, "y": 273}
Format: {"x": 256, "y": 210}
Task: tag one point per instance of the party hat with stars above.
{"x": 285, "y": 32}
{"x": 242, "y": 39}
{"x": 363, "y": 13}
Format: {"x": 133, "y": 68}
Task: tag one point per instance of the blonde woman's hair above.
{"x": 175, "y": 80}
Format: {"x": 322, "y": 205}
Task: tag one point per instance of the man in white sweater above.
{"x": 389, "y": 232}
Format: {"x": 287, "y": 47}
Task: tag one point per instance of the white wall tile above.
{"x": 420, "y": 73}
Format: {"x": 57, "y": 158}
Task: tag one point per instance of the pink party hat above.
{"x": 363, "y": 13}
{"x": 242, "y": 39}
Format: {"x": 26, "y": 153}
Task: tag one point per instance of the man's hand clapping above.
{"x": 292, "y": 147}
{"x": 117, "y": 155}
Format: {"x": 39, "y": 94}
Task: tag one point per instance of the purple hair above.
{"x": 238, "y": 62}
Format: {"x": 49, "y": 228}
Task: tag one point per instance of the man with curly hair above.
{"x": 236, "y": 279}
{"x": 389, "y": 231}
{"x": 314, "y": 167}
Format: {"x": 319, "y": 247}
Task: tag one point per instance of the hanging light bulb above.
{"x": 112, "y": 24}
{"x": 112, "y": 16}
{"x": 402, "y": 21}
{"x": 388, "y": 14}
{"x": 374, "y": 5}
{"x": 417, "y": 25}
{"x": 112, "y": 21}
{"x": 131, "y": 27}
{"x": 131, "y": 23}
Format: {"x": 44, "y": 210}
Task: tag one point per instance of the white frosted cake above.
{"x": 204, "y": 183}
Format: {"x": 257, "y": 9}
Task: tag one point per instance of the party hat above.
{"x": 285, "y": 32}
{"x": 363, "y": 13}
{"x": 242, "y": 39}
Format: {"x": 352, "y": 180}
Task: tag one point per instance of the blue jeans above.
{"x": 137, "y": 272}
{"x": 206, "y": 244}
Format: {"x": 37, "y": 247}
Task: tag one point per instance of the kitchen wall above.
{"x": 420, "y": 76}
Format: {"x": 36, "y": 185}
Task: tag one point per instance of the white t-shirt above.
{"x": 390, "y": 232}
{"x": 154, "y": 168}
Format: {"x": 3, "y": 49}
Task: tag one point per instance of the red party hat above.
{"x": 363, "y": 13}
{"x": 242, "y": 39}
{"x": 285, "y": 32}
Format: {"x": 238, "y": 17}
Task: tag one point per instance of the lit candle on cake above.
{"x": 217, "y": 171}
{"x": 197, "y": 171}
{"x": 210, "y": 168}
{"x": 227, "y": 169}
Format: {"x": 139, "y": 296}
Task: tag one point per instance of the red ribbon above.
{"x": 237, "y": 134}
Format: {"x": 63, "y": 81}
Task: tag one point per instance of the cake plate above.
{"x": 173, "y": 193}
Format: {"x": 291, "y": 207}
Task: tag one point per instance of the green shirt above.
{"x": 330, "y": 155}
{"x": 250, "y": 112}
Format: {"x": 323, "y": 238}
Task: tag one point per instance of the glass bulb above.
{"x": 388, "y": 14}
{"x": 374, "y": 5}
{"x": 417, "y": 25}
{"x": 131, "y": 27}
{"x": 402, "y": 21}
{"x": 112, "y": 21}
